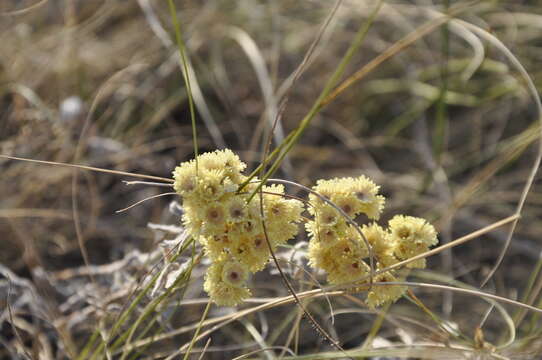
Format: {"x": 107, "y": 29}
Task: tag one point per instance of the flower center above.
{"x": 403, "y": 233}
{"x": 347, "y": 208}
{"x": 362, "y": 196}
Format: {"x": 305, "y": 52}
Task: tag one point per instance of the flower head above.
{"x": 353, "y": 195}
{"x": 214, "y": 219}
{"x": 236, "y": 208}
{"x": 411, "y": 236}
{"x": 342, "y": 259}
{"x": 381, "y": 294}
{"x": 377, "y": 237}
{"x": 327, "y": 216}
{"x": 185, "y": 179}
{"x": 252, "y": 251}
{"x": 234, "y": 274}
{"x": 238, "y": 235}
{"x": 225, "y": 282}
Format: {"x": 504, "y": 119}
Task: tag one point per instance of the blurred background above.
{"x": 447, "y": 126}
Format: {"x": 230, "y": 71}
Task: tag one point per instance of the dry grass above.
{"x": 447, "y": 123}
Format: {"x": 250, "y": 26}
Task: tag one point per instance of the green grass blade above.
{"x": 186, "y": 77}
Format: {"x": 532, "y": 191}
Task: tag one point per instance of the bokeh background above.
{"x": 447, "y": 126}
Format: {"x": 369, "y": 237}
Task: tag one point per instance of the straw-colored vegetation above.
{"x": 126, "y": 234}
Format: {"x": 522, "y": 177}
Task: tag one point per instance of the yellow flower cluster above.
{"x": 225, "y": 281}
{"x": 411, "y": 236}
{"x": 228, "y": 226}
{"x": 231, "y": 228}
{"x": 337, "y": 247}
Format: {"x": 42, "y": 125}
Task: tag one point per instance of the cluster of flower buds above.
{"x": 339, "y": 248}
{"x": 238, "y": 234}
{"x": 217, "y": 213}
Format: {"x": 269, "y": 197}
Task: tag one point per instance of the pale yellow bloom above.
{"x": 374, "y": 208}
{"x": 327, "y": 216}
{"x": 364, "y": 189}
{"x": 224, "y": 295}
{"x": 231, "y": 164}
{"x": 221, "y": 160}
{"x": 387, "y": 258}
{"x": 191, "y": 221}
{"x": 237, "y": 209}
{"x": 279, "y": 208}
{"x": 216, "y": 245}
{"x": 234, "y": 274}
{"x": 353, "y": 195}
{"x": 348, "y": 204}
{"x": 214, "y": 219}
{"x": 231, "y": 229}
{"x": 382, "y": 294}
{"x": 341, "y": 259}
{"x": 185, "y": 179}
{"x": 377, "y": 237}
{"x": 225, "y": 282}
{"x": 281, "y": 215}
{"x": 251, "y": 226}
{"x": 411, "y": 229}
{"x": 319, "y": 257}
{"x": 210, "y": 161}
{"x": 252, "y": 251}
{"x": 210, "y": 185}
{"x": 322, "y": 234}
{"x": 348, "y": 270}
{"x": 411, "y": 236}
{"x": 217, "y": 173}
{"x": 279, "y": 234}
{"x": 352, "y": 234}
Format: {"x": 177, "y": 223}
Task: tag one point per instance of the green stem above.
{"x": 294, "y": 136}
{"x": 186, "y": 77}
{"x": 197, "y": 330}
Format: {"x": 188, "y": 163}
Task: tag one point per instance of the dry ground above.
{"x": 448, "y": 127}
